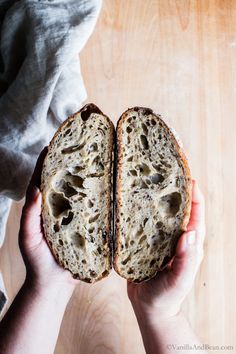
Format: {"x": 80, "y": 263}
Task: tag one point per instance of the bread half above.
{"x": 76, "y": 187}
{"x": 153, "y": 194}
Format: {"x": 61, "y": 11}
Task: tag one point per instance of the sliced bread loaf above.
{"x": 76, "y": 187}
{"x": 153, "y": 194}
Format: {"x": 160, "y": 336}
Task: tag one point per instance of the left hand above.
{"x": 42, "y": 270}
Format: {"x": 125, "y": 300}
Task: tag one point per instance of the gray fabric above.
{"x": 40, "y": 82}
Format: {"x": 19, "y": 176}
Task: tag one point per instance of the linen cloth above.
{"x": 40, "y": 82}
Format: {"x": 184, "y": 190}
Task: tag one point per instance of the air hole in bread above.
{"x": 92, "y": 273}
{"x": 90, "y": 203}
{"x": 143, "y": 168}
{"x": 131, "y": 242}
{"x": 133, "y": 172}
{"x": 77, "y": 169}
{"x": 145, "y": 221}
{"x": 60, "y": 242}
{"x": 145, "y": 129}
{"x": 93, "y": 218}
{"x": 153, "y": 261}
{"x": 153, "y": 122}
{"x": 157, "y": 178}
{"x": 67, "y": 220}
{"x": 130, "y": 271}
{"x": 139, "y": 232}
{"x": 67, "y": 132}
{"x": 78, "y": 240}
{"x": 159, "y": 224}
{"x": 66, "y": 188}
{"x": 144, "y": 141}
{"x": 142, "y": 239}
{"x": 170, "y": 204}
{"x": 56, "y": 227}
{"x": 126, "y": 260}
{"x": 83, "y": 261}
{"x": 143, "y": 185}
{"x": 76, "y": 181}
{"x": 129, "y": 159}
{"x": 58, "y": 203}
{"x": 93, "y": 147}
{"x": 91, "y": 229}
{"x": 72, "y": 148}
{"x": 129, "y": 130}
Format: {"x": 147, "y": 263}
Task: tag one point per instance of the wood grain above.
{"x": 177, "y": 57}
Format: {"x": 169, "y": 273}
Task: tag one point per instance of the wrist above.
{"x": 153, "y": 313}
{"x": 52, "y": 292}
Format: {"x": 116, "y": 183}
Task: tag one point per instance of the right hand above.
{"x": 164, "y": 294}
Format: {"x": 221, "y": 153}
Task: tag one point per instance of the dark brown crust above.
{"x": 118, "y": 204}
{"x": 91, "y": 108}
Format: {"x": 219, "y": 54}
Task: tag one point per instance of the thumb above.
{"x": 189, "y": 254}
{"x": 30, "y": 234}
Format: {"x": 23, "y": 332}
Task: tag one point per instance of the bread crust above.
{"x": 118, "y": 202}
{"x": 92, "y": 108}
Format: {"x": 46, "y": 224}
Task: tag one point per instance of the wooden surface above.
{"x": 177, "y": 57}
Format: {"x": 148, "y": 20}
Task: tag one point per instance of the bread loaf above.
{"x": 153, "y": 194}
{"x": 76, "y": 190}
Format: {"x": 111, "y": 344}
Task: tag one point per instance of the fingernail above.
{"x": 35, "y": 192}
{"x": 191, "y": 237}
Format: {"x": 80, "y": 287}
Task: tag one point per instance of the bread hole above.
{"x": 60, "y": 242}
{"x": 145, "y": 221}
{"x": 93, "y": 218}
{"x": 128, "y": 219}
{"x": 145, "y": 129}
{"x": 67, "y": 220}
{"x": 72, "y": 148}
{"x": 92, "y": 273}
{"x": 143, "y": 185}
{"x": 76, "y": 181}
{"x": 153, "y": 122}
{"x": 126, "y": 260}
{"x": 101, "y": 174}
{"x": 132, "y": 242}
{"x": 90, "y": 203}
{"x": 139, "y": 232}
{"x": 130, "y": 271}
{"x": 82, "y": 195}
{"x": 83, "y": 261}
{"x": 77, "y": 169}
{"x": 128, "y": 139}
{"x": 91, "y": 229}
{"x": 129, "y": 159}
{"x": 166, "y": 164}
{"x": 144, "y": 141}
{"x": 133, "y": 172}
{"x": 105, "y": 273}
{"x": 159, "y": 224}
{"x": 129, "y": 130}
{"x": 78, "y": 240}
{"x": 142, "y": 239}
{"x": 157, "y": 178}
{"x": 66, "y": 188}
{"x": 144, "y": 169}
{"x": 93, "y": 147}
{"x": 170, "y": 204}
{"x": 56, "y": 227}
{"x": 153, "y": 261}
{"x": 88, "y": 110}
{"x": 58, "y": 203}
{"x": 67, "y": 132}
{"x": 99, "y": 250}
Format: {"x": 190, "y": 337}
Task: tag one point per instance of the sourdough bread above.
{"x": 76, "y": 190}
{"x": 153, "y": 195}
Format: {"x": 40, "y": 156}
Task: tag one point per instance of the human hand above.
{"x": 164, "y": 294}
{"x": 42, "y": 271}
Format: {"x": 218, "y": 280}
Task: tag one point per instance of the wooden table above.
{"x": 177, "y": 57}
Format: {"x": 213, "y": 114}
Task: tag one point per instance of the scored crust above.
{"x": 77, "y": 170}
{"x": 127, "y": 258}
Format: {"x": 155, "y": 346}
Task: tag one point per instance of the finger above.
{"x": 197, "y": 215}
{"x": 30, "y": 226}
{"x": 36, "y": 176}
{"x": 189, "y": 254}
